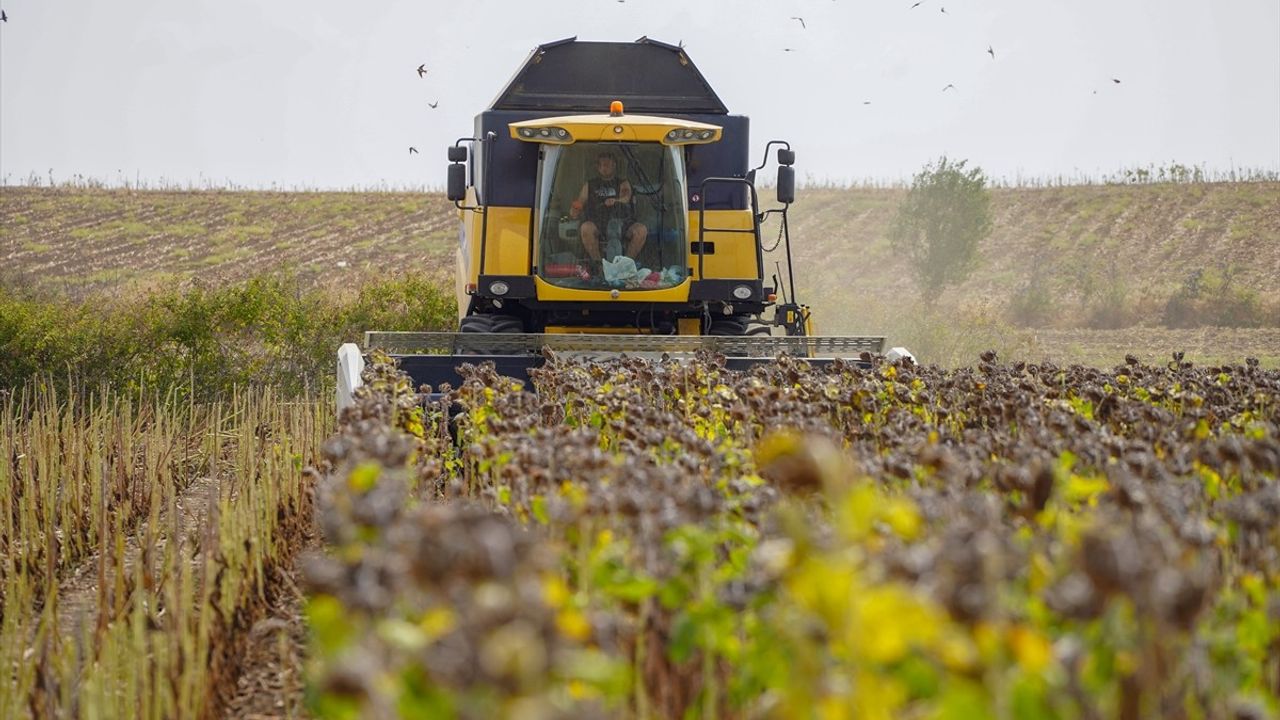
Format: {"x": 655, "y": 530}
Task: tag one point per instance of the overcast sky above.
{"x": 320, "y": 93}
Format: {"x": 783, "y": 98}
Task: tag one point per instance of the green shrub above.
{"x": 940, "y": 222}
{"x": 1032, "y": 304}
{"x": 1208, "y": 297}
{"x": 265, "y": 331}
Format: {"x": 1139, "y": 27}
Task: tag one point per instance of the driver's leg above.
{"x": 590, "y": 239}
{"x": 636, "y": 234}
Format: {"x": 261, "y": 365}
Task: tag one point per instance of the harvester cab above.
{"x": 607, "y": 204}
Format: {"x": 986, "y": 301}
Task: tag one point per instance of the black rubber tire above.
{"x": 732, "y": 327}
{"x": 476, "y": 324}
{"x": 507, "y": 324}
{"x": 490, "y": 324}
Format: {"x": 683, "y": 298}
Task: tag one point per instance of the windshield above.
{"x": 612, "y": 215}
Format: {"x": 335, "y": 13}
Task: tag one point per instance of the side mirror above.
{"x": 786, "y": 184}
{"x": 457, "y": 153}
{"x": 456, "y": 189}
{"x": 786, "y": 157}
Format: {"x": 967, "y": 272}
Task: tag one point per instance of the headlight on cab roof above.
{"x": 556, "y": 135}
{"x": 684, "y": 136}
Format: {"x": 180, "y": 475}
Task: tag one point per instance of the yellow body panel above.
{"x": 735, "y": 256}
{"x": 507, "y": 246}
{"x": 689, "y": 326}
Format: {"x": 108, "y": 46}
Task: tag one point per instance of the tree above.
{"x": 946, "y": 213}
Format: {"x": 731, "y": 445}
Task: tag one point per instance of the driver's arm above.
{"x": 624, "y": 191}
{"x": 581, "y": 202}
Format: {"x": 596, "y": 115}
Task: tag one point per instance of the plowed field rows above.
{"x": 83, "y": 242}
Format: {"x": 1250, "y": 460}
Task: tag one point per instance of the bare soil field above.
{"x": 79, "y": 242}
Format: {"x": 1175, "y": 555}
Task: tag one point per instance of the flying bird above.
{"x": 866, "y": 102}
{"x": 992, "y": 52}
{"x": 918, "y": 4}
{"x": 422, "y": 69}
{"x": 788, "y": 49}
{"x": 943, "y": 9}
{"x": 948, "y": 87}
{"x": 1115, "y": 80}
{"x": 4, "y": 17}
{"x": 795, "y": 17}
{"x": 413, "y": 150}
{"x": 433, "y": 105}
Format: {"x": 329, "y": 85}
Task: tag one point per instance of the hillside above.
{"x": 1059, "y": 259}
{"x": 1086, "y": 247}
{"x": 80, "y": 242}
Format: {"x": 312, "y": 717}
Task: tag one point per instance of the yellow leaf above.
{"x": 364, "y": 476}
{"x": 437, "y": 622}
{"x": 573, "y": 624}
{"x": 1031, "y": 649}
{"x": 555, "y": 593}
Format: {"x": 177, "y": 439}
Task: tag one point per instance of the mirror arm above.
{"x": 765, "y": 161}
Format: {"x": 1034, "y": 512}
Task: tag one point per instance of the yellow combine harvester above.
{"x": 608, "y": 204}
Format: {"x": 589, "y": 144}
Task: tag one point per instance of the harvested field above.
{"x": 1205, "y": 346}
{"x": 144, "y": 543}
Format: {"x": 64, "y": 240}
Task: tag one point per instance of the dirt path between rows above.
{"x": 87, "y": 589}
{"x": 271, "y": 681}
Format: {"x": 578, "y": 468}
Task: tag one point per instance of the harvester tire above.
{"x": 489, "y": 324}
{"x": 728, "y": 327}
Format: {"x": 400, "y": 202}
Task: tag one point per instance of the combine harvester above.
{"x": 608, "y": 206}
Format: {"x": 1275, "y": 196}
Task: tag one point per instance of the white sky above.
{"x": 321, "y": 93}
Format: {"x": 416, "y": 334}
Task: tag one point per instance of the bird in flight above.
{"x": 422, "y": 69}
{"x": 948, "y": 87}
{"x": 992, "y": 52}
{"x": 943, "y": 9}
{"x": 413, "y": 150}
{"x": 788, "y": 49}
{"x": 433, "y": 105}
{"x": 4, "y": 17}
{"x": 796, "y": 17}
{"x": 1115, "y": 80}
{"x": 918, "y": 4}
{"x": 866, "y": 102}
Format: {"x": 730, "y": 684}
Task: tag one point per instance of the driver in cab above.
{"x": 604, "y": 198}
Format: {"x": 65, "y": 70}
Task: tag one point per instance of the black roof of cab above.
{"x": 646, "y": 75}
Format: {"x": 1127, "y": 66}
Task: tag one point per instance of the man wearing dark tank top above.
{"x": 604, "y": 198}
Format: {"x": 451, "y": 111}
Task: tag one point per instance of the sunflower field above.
{"x": 673, "y": 539}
